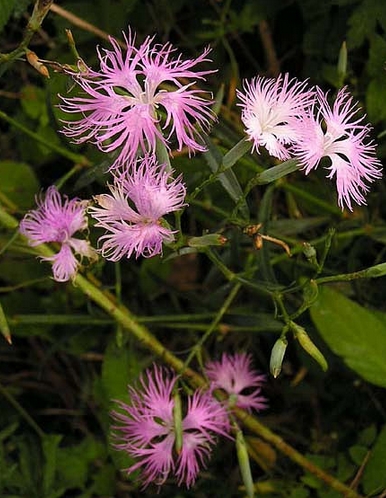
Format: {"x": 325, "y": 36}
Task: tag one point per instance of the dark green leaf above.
{"x": 18, "y": 183}
{"x": 352, "y": 332}
{"x": 6, "y": 9}
{"x": 374, "y": 475}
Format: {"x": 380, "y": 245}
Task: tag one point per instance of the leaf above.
{"x": 50, "y": 445}
{"x": 352, "y": 332}
{"x": 272, "y": 174}
{"x": 375, "y": 102}
{"x": 120, "y": 367}
{"x": 6, "y": 9}
{"x": 73, "y": 462}
{"x": 236, "y": 153}
{"x": 227, "y": 179}
{"x": 374, "y": 475}
{"x": 18, "y": 183}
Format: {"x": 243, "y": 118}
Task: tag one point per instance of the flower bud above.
{"x": 308, "y": 346}
{"x": 212, "y": 239}
{"x": 245, "y": 467}
{"x": 277, "y": 356}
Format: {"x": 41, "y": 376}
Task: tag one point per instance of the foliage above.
{"x": 73, "y": 347}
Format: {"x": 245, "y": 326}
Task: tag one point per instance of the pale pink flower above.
{"x": 234, "y": 375}
{"x": 339, "y": 134}
{"x": 132, "y": 214}
{"x": 57, "y": 220}
{"x": 270, "y": 111}
{"x": 146, "y": 429}
{"x": 136, "y": 98}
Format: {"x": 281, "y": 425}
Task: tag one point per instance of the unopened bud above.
{"x": 309, "y": 252}
{"x": 244, "y": 464}
{"x": 308, "y": 346}
{"x": 212, "y": 239}
{"x": 277, "y": 355}
{"x": 33, "y": 59}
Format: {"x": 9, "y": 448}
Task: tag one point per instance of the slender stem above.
{"x": 22, "y": 412}
{"x": 214, "y": 324}
{"x": 304, "y": 194}
{"x": 257, "y": 427}
{"x": 228, "y": 274}
{"x": 72, "y": 156}
{"x": 41, "y": 9}
{"x": 91, "y": 288}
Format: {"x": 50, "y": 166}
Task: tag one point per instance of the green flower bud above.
{"x": 277, "y": 356}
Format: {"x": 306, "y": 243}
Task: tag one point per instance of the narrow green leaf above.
{"x": 227, "y": 179}
{"x": 50, "y": 445}
{"x": 374, "y": 475}
{"x": 272, "y": 174}
{"x": 352, "y": 332}
{"x": 4, "y": 328}
{"x": 236, "y": 153}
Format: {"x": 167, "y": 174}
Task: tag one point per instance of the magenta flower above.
{"x": 270, "y": 111}
{"x": 136, "y": 93}
{"x": 56, "y": 220}
{"x": 235, "y": 375}
{"x": 146, "y": 429}
{"x": 132, "y": 213}
{"x": 337, "y": 133}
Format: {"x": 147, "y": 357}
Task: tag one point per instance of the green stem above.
{"x": 127, "y": 320}
{"x": 257, "y": 427}
{"x": 213, "y": 326}
{"x": 75, "y": 158}
{"x": 21, "y": 411}
{"x": 228, "y": 274}
{"x": 40, "y": 11}
{"x": 304, "y": 194}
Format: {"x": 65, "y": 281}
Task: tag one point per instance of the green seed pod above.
{"x": 308, "y": 346}
{"x": 277, "y": 356}
{"x": 244, "y": 464}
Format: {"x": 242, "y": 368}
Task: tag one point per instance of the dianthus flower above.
{"x": 235, "y": 375}
{"x": 138, "y": 228}
{"x": 146, "y": 429}
{"x": 57, "y": 220}
{"x": 337, "y": 133}
{"x": 270, "y": 110}
{"x": 136, "y": 92}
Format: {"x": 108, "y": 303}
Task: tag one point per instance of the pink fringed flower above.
{"x": 235, "y": 375}
{"x": 270, "y": 111}
{"x": 57, "y": 220}
{"x": 337, "y": 133}
{"x": 132, "y": 213}
{"x": 146, "y": 429}
{"x": 136, "y": 92}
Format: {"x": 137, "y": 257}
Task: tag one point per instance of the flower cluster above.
{"x": 291, "y": 121}
{"x": 139, "y": 228}
{"x": 147, "y": 428}
{"x": 57, "y": 220}
{"x": 137, "y": 98}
